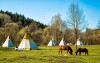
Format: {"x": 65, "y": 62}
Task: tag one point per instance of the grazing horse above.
{"x": 81, "y": 50}
{"x": 65, "y": 47}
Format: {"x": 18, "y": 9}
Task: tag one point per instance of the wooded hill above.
{"x": 15, "y": 25}
{"x": 6, "y": 17}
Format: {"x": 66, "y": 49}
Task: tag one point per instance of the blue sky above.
{"x": 43, "y": 10}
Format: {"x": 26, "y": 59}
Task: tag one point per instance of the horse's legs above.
{"x": 85, "y": 52}
{"x": 67, "y": 51}
{"x": 79, "y": 53}
{"x": 76, "y": 52}
{"x": 61, "y": 51}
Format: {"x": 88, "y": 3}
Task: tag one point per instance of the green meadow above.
{"x": 49, "y": 55}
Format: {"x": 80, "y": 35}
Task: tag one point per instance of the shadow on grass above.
{"x": 87, "y": 55}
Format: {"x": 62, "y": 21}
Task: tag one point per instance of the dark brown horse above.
{"x": 81, "y": 50}
{"x": 65, "y": 47}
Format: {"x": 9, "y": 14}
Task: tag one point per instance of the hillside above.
{"x": 17, "y": 18}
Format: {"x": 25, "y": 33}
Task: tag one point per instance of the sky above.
{"x": 44, "y": 10}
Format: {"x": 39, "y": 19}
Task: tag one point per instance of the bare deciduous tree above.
{"x": 76, "y": 19}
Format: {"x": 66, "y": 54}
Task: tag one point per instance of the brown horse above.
{"x": 81, "y": 50}
{"x": 65, "y": 47}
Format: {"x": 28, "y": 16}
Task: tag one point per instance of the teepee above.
{"x": 79, "y": 42}
{"x": 8, "y": 43}
{"x": 51, "y": 43}
{"x": 62, "y": 42}
{"x": 27, "y": 43}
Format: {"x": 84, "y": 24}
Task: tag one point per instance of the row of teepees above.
{"x": 26, "y": 44}
{"x": 62, "y": 42}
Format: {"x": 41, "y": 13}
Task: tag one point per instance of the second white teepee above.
{"x": 51, "y": 43}
{"x": 62, "y": 42}
{"x": 8, "y": 43}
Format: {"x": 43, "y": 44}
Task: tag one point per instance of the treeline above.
{"x": 7, "y": 16}
{"x": 15, "y": 25}
{"x": 91, "y": 36}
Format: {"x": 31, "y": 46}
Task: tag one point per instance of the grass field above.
{"x": 49, "y": 55}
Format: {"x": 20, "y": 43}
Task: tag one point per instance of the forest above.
{"x": 16, "y": 25}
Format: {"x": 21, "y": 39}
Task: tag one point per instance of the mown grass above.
{"x": 49, "y": 55}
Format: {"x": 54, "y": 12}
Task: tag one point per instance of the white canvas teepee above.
{"x": 51, "y": 43}
{"x": 27, "y": 43}
{"x": 62, "y": 42}
{"x": 8, "y": 43}
{"x": 79, "y": 42}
